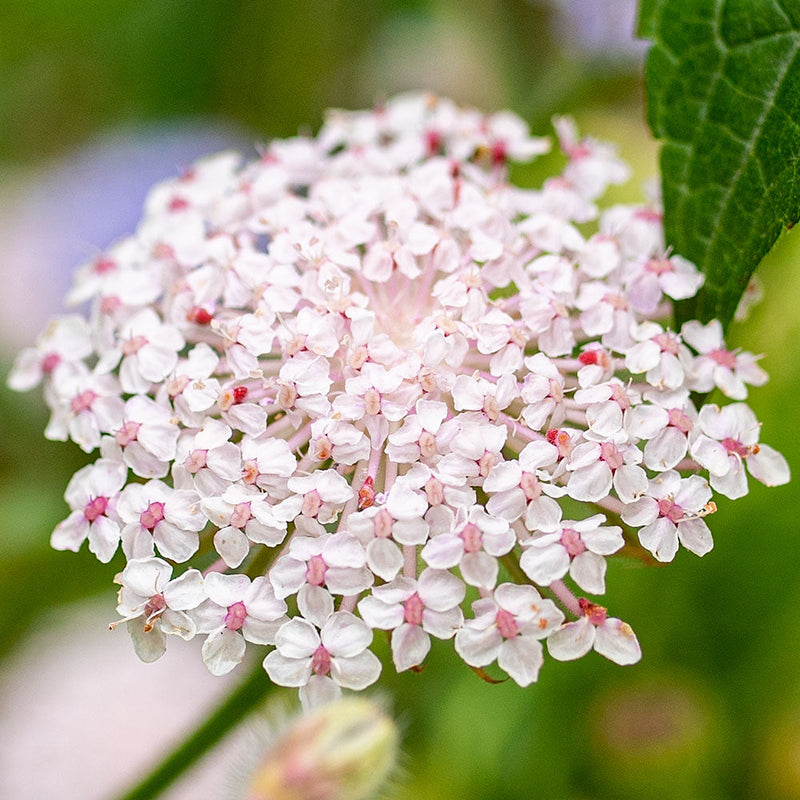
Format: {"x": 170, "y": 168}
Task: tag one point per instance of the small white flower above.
{"x": 322, "y": 661}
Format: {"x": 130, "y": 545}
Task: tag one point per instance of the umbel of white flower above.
{"x": 349, "y": 386}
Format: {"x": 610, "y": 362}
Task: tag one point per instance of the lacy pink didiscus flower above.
{"x": 353, "y": 382}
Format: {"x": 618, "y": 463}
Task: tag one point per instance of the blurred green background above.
{"x": 95, "y": 96}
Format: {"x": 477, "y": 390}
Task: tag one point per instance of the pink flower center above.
{"x": 103, "y": 265}
{"x": 506, "y": 624}
{"x": 413, "y": 610}
{"x": 127, "y": 433}
{"x": 610, "y": 454}
{"x": 672, "y": 511}
{"x": 434, "y": 490}
{"x": 134, "y": 345}
{"x": 680, "y": 420}
{"x": 95, "y": 508}
{"x": 250, "y": 471}
{"x": 667, "y": 343}
{"x": 648, "y": 215}
{"x": 433, "y": 143}
{"x": 50, "y": 362}
{"x": 471, "y": 534}
{"x": 616, "y": 301}
{"x": 561, "y": 441}
{"x": 237, "y": 614}
{"x": 572, "y": 542}
{"x": 499, "y": 154}
{"x": 372, "y": 401}
{"x": 315, "y": 571}
{"x": 195, "y": 461}
{"x": 311, "y": 504}
{"x": 109, "y": 304}
{"x": 83, "y": 401}
{"x": 321, "y": 661}
{"x": 723, "y": 357}
{"x": 620, "y": 397}
{"x": 178, "y": 204}
{"x": 382, "y": 524}
{"x": 529, "y": 484}
{"x": 154, "y": 607}
{"x": 736, "y": 447}
{"x": 595, "y": 613}
{"x": 151, "y": 516}
{"x": 659, "y": 266}
{"x": 241, "y": 515}
{"x": 427, "y": 444}
{"x": 366, "y": 494}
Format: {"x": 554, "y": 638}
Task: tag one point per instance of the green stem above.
{"x": 212, "y": 730}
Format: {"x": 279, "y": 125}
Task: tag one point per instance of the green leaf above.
{"x": 723, "y": 94}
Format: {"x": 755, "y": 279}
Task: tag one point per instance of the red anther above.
{"x": 595, "y": 613}
{"x": 552, "y": 435}
{"x": 433, "y": 143}
{"x": 199, "y": 315}
{"x": 50, "y": 362}
{"x": 103, "y": 265}
{"x": 499, "y": 154}
{"x": 588, "y": 357}
{"x": 366, "y": 494}
{"x": 239, "y": 394}
{"x": 178, "y": 204}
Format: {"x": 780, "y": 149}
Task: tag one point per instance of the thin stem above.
{"x": 244, "y": 699}
{"x": 566, "y": 597}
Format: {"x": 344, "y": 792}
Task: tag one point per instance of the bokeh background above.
{"x": 98, "y": 100}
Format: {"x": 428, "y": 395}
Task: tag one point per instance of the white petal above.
{"x": 297, "y": 639}
{"x": 660, "y": 538}
{"x": 186, "y": 591}
{"x": 149, "y": 645}
{"x": 573, "y": 640}
{"x": 315, "y": 604}
{"x": 479, "y": 569}
{"x": 615, "y": 640}
{"x": 521, "y": 657}
{"x": 588, "y": 570}
{"x": 232, "y": 545}
{"x": 543, "y": 565}
{"x": 478, "y": 647}
{"x": 695, "y": 536}
{"x": 345, "y": 635}
{"x": 768, "y": 466}
{"x": 440, "y": 590}
{"x": 287, "y": 671}
{"x": 410, "y": 646}
{"x": 356, "y": 672}
{"x": 222, "y": 651}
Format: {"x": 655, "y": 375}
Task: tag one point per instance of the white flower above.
{"x": 322, "y": 661}
{"x": 412, "y": 610}
{"x": 609, "y": 636}
{"x": 155, "y": 606}
{"x": 92, "y": 495}
{"x": 730, "y": 435}
{"x": 367, "y": 352}
{"x": 729, "y": 371}
{"x": 673, "y": 511}
{"x": 237, "y": 610}
{"x": 577, "y": 547}
{"x": 508, "y": 627}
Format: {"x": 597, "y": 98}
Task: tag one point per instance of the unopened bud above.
{"x": 344, "y": 750}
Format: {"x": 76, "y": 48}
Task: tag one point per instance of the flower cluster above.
{"x": 358, "y": 384}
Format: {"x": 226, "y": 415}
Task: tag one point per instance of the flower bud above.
{"x": 344, "y": 750}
